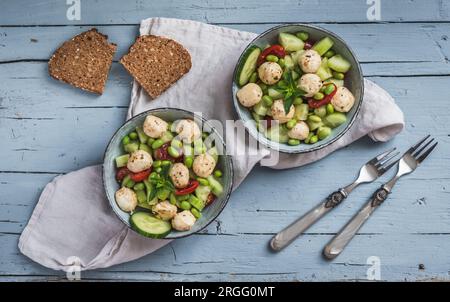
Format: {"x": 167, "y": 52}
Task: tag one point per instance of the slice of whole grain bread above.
{"x": 83, "y": 61}
{"x": 156, "y": 63}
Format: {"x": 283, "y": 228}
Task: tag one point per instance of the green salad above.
{"x": 295, "y": 90}
{"x": 167, "y": 174}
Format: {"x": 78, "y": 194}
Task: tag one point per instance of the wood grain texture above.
{"x": 49, "y": 128}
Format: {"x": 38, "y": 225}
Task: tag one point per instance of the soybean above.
{"x": 253, "y": 77}
{"x": 139, "y": 186}
{"x": 318, "y": 96}
{"x": 185, "y": 205}
{"x": 303, "y": 35}
{"x": 125, "y": 140}
{"x": 150, "y": 141}
{"x": 196, "y": 213}
{"x": 291, "y": 123}
{"x": 157, "y": 144}
{"x": 323, "y": 132}
{"x": 188, "y": 161}
{"x": 329, "y": 54}
{"x": 268, "y": 101}
{"x": 313, "y": 139}
{"x": 297, "y": 101}
{"x": 272, "y": 58}
{"x": 282, "y": 63}
{"x": 172, "y": 199}
{"x": 217, "y": 174}
{"x": 293, "y": 142}
{"x": 166, "y": 162}
{"x": 328, "y": 89}
{"x": 314, "y": 118}
{"x": 130, "y": 183}
{"x": 156, "y": 163}
{"x": 133, "y": 135}
{"x": 158, "y": 170}
{"x": 309, "y": 137}
{"x": 202, "y": 181}
{"x": 173, "y": 152}
{"x": 338, "y": 75}
{"x": 330, "y": 108}
{"x": 176, "y": 144}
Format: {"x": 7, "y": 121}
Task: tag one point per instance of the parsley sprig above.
{"x": 288, "y": 87}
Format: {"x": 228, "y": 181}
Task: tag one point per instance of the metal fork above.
{"x": 407, "y": 164}
{"x": 370, "y": 171}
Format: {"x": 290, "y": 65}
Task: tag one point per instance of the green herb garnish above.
{"x": 288, "y": 87}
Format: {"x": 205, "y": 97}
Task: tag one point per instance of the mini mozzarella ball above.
{"x": 249, "y": 95}
{"x": 126, "y": 199}
{"x": 343, "y": 100}
{"x": 310, "y": 83}
{"x": 154, "y": 126}
{"x": 278, "y": 112}
{"x": 203, "y": 165}
{"x": 300, "y": 131}
{"x": 187, "y": 130}
{"x": 309, "y": 61}
{"x": 183, "y": 221}
{"x": 165, "y": 210}
{"x": 270, "y": 73}
{"x": 179, "y": 174}
{"x": 139, "y": 161}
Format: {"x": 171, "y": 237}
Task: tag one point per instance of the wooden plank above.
{"x": 51, "y": 12}
{"x": 383, "y": 49}
{"x": 247, "y": 258}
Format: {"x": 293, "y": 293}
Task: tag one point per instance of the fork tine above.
{"x": 413, "y": 148}
{"x": 426, "y": 153}
{"x": 388, "y": 164}
{"x": 377, "y": 158}
{"x": 416, "y": 153}
{"x": 386, "y": 159}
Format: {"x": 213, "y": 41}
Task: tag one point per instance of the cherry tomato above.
{"x": 140, "y": 176}
{"x": 210, "y": 199}
{"x": 193, "y": 184}
{"x": 276, "y": 50}
{"x": 312, "y": 103}
{"x": 121, "y": 173}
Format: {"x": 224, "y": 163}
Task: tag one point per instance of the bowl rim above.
{"x": 228, "y": 160}
{"x": 337, "y": 136}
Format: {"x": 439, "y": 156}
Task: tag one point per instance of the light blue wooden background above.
{"x": 47, "y": 128}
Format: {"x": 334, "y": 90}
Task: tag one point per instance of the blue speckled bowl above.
{"x": 114, "y": 149}
{"x": 353, "y": 81}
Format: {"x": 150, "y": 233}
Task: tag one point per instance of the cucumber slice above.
{"x": 301, "y": 112}
{"x": 216, "y": 187}
{"x": 290, "y": 42}
{"x": 339, "y": 64}
{"x": 122, "y": 160}
{"x": 338, "y": 83}
{"x": 323, "y": 45}
{"x": 274, "y": 94}
{"x": 167, "y": 137}
{"x": 202, "y": 192}
{"x": 149, "y": 226}
{"x": 196, "y": 202}
{"x": 324, "y": 72}
{"x": 131, "y": 147}
{"x": 248, "y": 66}
{"x": 289, "y": 63}
{"x": 143, "y": 138}
{"x": 214, "y": 153}
{"x": 295, "y": 55}
{"x": 260, "y": 109}
{"x": 145, "y": 148}
{"x": 277, "y": 134}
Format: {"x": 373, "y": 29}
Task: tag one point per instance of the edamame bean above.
{"x": 188, "y": 160}
{"x": 145, "y": 148}
{"x": 330, "y": 108}
{"x": 173, "y": 152}
{"x": 291, "y": 123}
{"x": 282, "y": 63}
{"x": 165, "y": 162}
{"x": 158, "y": 170}
{"x": 297, "y": 101}
{"x": 172, "y": 199}
{"x": 329, "y": 54}
{"x": 314, "y": 118}
{"x": 323, "y": 132}
{"x": 217, "y": 174}
{"x": 272, "y": 58}
{"x": 156, "y": 163}
{"x": 125, "y": 140}
{"x": 322, "y": 89}
{"x": 150, "y": 141}
{"x": 202, "y": 181}
{"x": 338, "y": 75}
{"x": 176, "y": 144}
{"x": 133, "y": 135}
{"x": 302, "y": 35}
{"x": 139, "y": 186}
{"x": 313, "y": 139}
{"x": 196, "y": 213}
{"x": 309, "y": 137}
{"x": 293, "y": 142}
{"x": 328, "y": 89}
{"x": 253, "y": 77}
{"x": 157, "y": 144}
{"x": 125, "y": 180}
{"x": 320, "y": 112}
{"x": 130, "y": 183}
{"x": 185, "y": 205}
{"x": 318, "y": 96}
{"x": 153, "y": 175}
{"x": 268, "y": 101}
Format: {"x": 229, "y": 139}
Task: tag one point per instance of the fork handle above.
{"x": 345, "y": 235}
{"x": 287, "y": 235}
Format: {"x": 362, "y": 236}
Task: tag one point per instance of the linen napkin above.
{"x": 72, "y": 226}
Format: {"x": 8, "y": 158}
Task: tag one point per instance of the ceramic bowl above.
{"x": 353, "y": 81}
{"x": 115, "y": 149}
